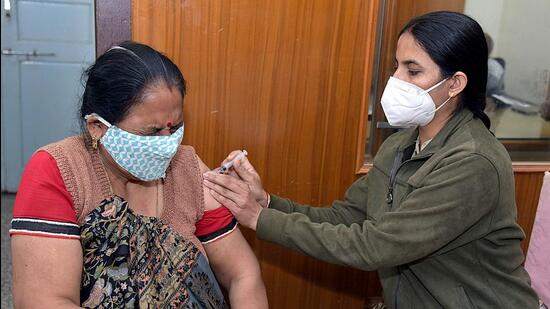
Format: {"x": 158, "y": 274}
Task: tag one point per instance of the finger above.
{"x": 245, "y": 163}
{"x": 245, "y": 170}
{"x": 233, "y": 174}
{"x": 232, "y": 155}
{"x": 229, "y": 182}
{"x": 229, "y": 204}
{"x": 231, "y": 195}
{"x": 215, "y": 171}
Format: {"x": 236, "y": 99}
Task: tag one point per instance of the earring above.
{"x": 94, "y": 142}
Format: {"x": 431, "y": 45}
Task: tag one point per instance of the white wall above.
{"x": 522, "y": 38}
{"x": 488, "y": 14}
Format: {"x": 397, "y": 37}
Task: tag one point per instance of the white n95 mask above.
{"x": 145, "y": 157}
{"x": 407, "y": 105}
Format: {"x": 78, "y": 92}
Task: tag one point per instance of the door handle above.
{"x": 34, "y": 53}
{"x": 7, "y": 8}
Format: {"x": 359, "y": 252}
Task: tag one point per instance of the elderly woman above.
{"x": 118, "y": 217}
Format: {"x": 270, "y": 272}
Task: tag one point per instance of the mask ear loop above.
{"x": 436, "y": 85}
{"x": 96, "y": 116}
{"x": 105, "y": 122}
{"x": 440, "y": 106}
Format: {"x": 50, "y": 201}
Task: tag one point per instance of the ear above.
{"x": 95, "y": 128}
{"x": 458, "y": 82}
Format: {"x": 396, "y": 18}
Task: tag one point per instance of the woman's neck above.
{"x": 146, "y": 197}
{"x": 429, "y": 131}
{"x": 118, "y": 180}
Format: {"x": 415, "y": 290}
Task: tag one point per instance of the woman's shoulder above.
{"x": 478, "y": 140}
{"x": 43, "y": 201}
{"x": 71, "y": 154}
{"x": 187, "y": 157}
{"x": 69, "y": 144}
{"x": 186, "y": 148}
{"x": 184, "y": 153}
{"x": 185, "y": 166}
{"x": 185, "y": 161}
{"x": 184, "y": 191}
{"x": 476, "y": 148}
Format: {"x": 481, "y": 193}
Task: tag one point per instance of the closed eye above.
{"x": 149, "y": 132}
{"x": 173, "y": 129}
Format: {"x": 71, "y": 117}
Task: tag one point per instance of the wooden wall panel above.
{"x": 287, "y": 81}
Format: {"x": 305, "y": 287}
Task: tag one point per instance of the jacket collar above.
{"x": 457, "y": 121}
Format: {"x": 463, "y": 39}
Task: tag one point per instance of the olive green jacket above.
{"x": 442, "y": 233}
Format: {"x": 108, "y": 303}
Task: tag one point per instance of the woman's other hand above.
{"x": 247, "y": 173}
{"x": 236, "y": 195}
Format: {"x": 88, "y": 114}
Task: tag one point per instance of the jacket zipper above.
{"x": 397, "y": 164}
{"x": 389, "y": 200}
{"x": 393, "y": 176}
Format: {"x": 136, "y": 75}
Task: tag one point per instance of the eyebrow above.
{"x": 155, "y": 127}
{"x": 151, "y": 127}
{"x": 408, "y": 61}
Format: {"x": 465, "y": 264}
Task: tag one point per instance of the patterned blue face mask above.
{"x": 145, "y": 157}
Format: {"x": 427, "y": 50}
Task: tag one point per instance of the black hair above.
{"x": 119, "y": 79}
{"x": 456, "y": 42}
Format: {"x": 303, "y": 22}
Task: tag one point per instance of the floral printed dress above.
{"x": 134, "y": 261}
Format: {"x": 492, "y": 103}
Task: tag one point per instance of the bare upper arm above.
{"x": 232, "y": 258}
{"x": 46, "y": 271}
{"x": 209, "y": 202}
